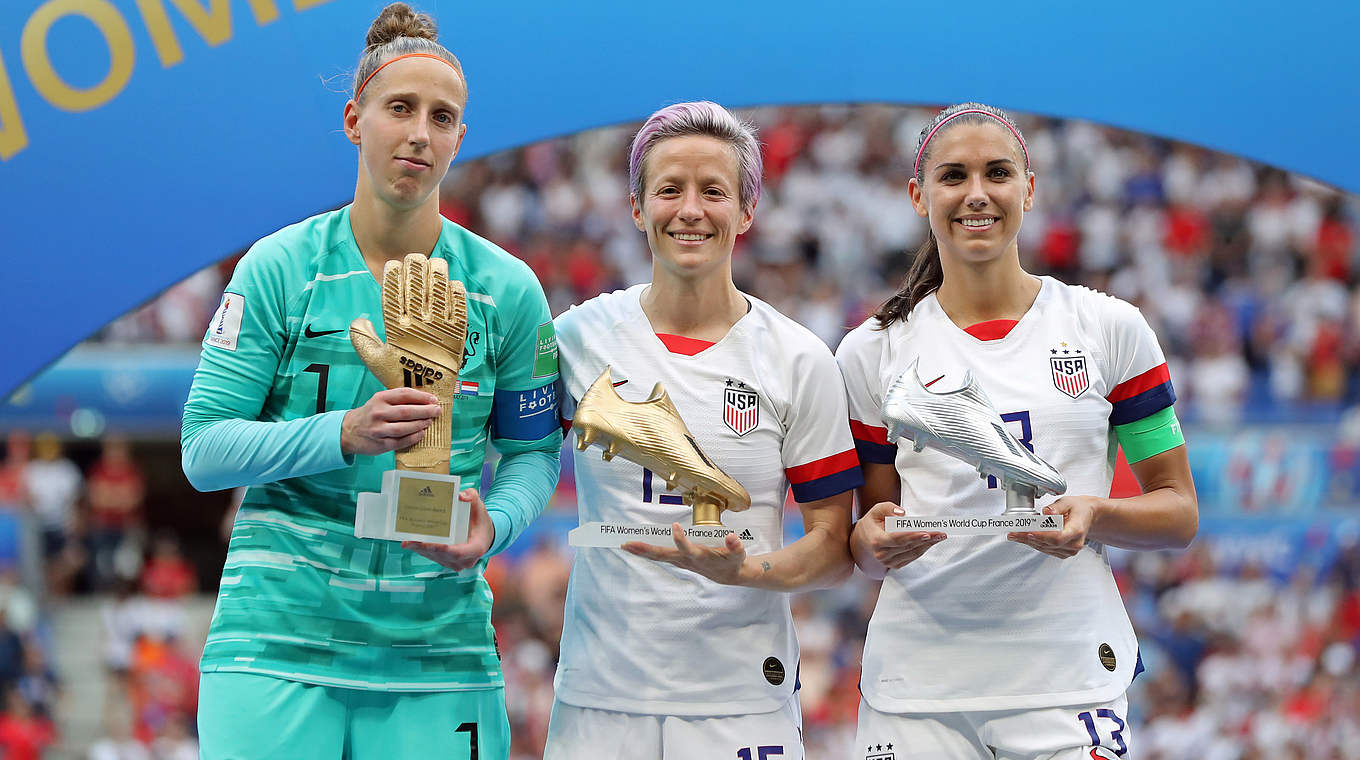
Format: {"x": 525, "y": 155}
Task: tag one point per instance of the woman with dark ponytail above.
{"x": 923, "y": 278}
{"x": 1013, "y": 646}
{"x": 324, "y": 645}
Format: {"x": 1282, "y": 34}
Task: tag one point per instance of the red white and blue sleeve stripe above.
{"x": 1141, "y": 396}
{"x": 872, "y": 443}
{"x": 825, "y": 477}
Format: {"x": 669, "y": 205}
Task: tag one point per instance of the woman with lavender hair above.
{"x": 688, "y": 651}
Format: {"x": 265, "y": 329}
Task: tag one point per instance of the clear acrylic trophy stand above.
{"x": 1020, "y": 517}
{"x": 705, "y": 530}
{"x": 613, "y": 535}
{"x": 413, "y": 506}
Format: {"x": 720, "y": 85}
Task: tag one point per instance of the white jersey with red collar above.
{"x": 646, "y": 637}
{"x": 978, "y": 622}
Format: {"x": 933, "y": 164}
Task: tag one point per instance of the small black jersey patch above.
{"x": 1106, "y": 655}
{"x": 773, "y": 670}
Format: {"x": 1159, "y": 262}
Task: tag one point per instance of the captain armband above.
{"x": 1150, "y": 436}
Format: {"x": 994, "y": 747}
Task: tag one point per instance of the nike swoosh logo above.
{"x": 620, "y": 382}
{"x": 932, "y": 382}
{"x": 310, "y": 334}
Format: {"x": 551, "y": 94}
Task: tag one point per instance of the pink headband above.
{"x": 916, "y": 170}
{"x": 393, "y": 60}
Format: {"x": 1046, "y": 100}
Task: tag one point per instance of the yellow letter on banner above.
{"x": 302, "y": 5}
{"x": 212, "y": 24}
{"x": 33, "y": 50}
{"x": 13, "y": 138}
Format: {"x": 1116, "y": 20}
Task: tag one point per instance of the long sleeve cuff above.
{"x": 231, "y": 453}
{"x": 523, "y": 485}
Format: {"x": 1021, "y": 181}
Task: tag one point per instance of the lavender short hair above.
{"x": 703, "y": 118}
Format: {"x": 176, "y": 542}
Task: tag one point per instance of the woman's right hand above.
{"x": 874, "y": 547}
{"x": 390, "y": 421}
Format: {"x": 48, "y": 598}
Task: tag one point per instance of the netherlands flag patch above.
{"x": 466, "y": 388}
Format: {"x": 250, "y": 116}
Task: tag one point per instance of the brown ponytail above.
{"x": 923, "y": 278}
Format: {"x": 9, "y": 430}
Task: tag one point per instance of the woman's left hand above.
{"x": 1079, "y": 513}
{"x": 721, "y": 564}
{"x": 481, "y": 533}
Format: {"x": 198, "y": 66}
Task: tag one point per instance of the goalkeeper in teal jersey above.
{"x": 324, "y": 645}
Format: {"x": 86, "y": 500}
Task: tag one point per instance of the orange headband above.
{"x": 393, "y": 60}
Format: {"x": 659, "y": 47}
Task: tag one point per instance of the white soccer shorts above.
{"x": 1087, "y": 732}
{"x": 583, "y": 733}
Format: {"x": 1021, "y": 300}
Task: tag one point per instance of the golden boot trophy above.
{"x": 425, "y": 318}
{"x": 650, "y": 433}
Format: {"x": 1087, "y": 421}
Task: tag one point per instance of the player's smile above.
{"x": 977, "y": 223}
{"x": 689, "y": 238}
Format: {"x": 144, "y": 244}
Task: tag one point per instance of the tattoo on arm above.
{"x": 765, "y": 565}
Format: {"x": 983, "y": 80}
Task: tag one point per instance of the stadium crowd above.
{"x": 1250, "y": 276}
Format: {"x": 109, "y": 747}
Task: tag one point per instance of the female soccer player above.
{"x": 1014, "y": 646}
{"x": 689, "y": 651}
{"x": 324, "y": 645}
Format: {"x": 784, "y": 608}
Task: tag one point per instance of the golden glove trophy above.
{"x": 651, "y": 433}
{"x": 425, "y": 317}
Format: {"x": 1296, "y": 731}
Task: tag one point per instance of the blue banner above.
{"x": 1274, "y": 471}
{"x": 106, "y": 389}
{"x": 142, "y": 139}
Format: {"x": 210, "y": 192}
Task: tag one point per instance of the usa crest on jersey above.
{"x": 741, "y": 408}
{"x": 1069, "y": 374}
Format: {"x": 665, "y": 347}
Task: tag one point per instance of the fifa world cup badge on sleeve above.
{"x": 425, "y": 318}
{"x": 963, "y": 424}
{"x": 650, "y": 433}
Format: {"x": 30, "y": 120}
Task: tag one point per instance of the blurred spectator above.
{"x": 24, "y": 735}
{"x": 11, "y": 654}
{"x": 117, "y": 491}
{"x": 122, "y": 625}
{"x": 1218, "y": 374}
{"x": 543, "y": 588}
{"x": 13, "y": 492}
{"x": 37, "y": 682}
{"x": 167, "y": 574}
{"x": 54, "y": 486}
{"x": 163, "y": 685}
{"x": 175, "y": 740}
{"x": 17, "y": 602}
{"x": 182, "y": 312}
{"x": 118, "y": 743}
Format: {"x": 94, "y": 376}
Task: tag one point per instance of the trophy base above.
{"x": 413, "y": 506}
{"x": 1020, "y": 502}
{"x": 605, "y": 535}
{"x": 707, "y": 513}
{"x": 999, "y": 525}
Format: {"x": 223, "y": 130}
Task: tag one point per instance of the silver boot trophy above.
{"x": 963, "y": 424}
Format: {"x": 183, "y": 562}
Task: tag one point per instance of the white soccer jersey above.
{"x": 646, "y": 637}
{"x": 978, "y": 622}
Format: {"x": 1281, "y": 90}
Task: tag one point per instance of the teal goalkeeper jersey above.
{"x": 301, "y": 597}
